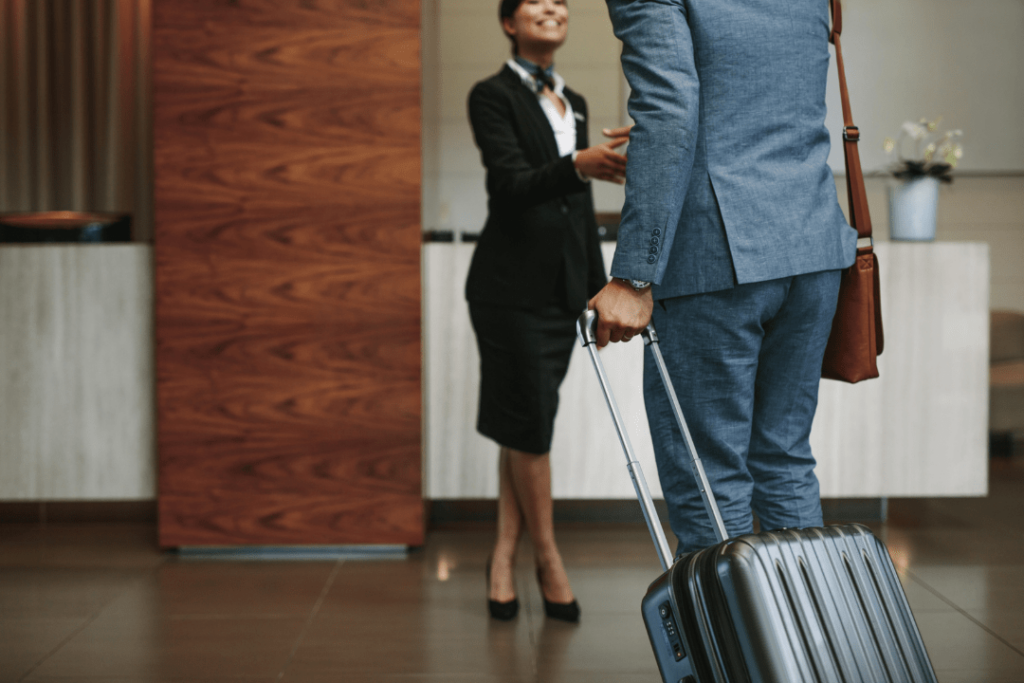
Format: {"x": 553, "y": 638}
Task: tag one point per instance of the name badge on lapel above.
{"x": 579, "y": 116}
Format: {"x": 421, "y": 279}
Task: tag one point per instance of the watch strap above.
{"x": 636, "y": 284}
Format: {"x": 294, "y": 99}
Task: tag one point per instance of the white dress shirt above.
{"x": 563, "y": 125}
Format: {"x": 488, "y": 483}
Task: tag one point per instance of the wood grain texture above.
{"x": 287, "y": 153}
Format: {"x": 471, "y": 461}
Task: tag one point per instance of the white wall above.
{"x": 907, "y": 59}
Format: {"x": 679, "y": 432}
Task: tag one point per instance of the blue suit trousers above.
{"x": 746, "y": 364}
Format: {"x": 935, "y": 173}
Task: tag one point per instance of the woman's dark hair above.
{"x": 505, "y": 11}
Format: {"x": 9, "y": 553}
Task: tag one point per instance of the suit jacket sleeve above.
{"x": 658, "y": 60}
{"x": 596, "y": 275}
{"x": 511, "y": 179}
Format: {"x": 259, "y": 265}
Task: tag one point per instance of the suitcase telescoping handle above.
{"x": 586, "y": 330}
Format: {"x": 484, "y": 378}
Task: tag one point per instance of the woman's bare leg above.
{"x": 510, "y": 527}
{"x": 531, "y": 478}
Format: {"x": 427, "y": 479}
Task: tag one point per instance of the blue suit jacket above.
{"x": 727, "y": 180}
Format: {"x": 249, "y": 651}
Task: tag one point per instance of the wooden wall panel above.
{"x": 287, "y": 242}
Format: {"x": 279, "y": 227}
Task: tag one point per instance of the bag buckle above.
{"x": 853, "y": 136}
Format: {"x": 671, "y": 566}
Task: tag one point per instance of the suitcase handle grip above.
{"x": 586, "y": 330}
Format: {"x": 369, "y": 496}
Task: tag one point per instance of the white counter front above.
{"x": 76, "y": 367}
{"x": 918, "y": 430}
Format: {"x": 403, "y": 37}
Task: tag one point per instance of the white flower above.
{"x": 929, "y": 151}
{"x": 951, "y": 154}
{"x": 915, "y": 130}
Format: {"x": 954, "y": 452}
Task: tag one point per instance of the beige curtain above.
{"x": 75, "y": 107}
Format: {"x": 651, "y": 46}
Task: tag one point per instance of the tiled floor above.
{"x": 98, "y": 603}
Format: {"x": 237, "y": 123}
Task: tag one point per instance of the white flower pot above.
{"x": 912, "y": 206}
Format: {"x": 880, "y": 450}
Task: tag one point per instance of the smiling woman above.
{"x": 536, "y": 28}
{"x": 537, "y": 262}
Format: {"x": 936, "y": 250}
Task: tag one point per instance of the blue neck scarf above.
{"x": 541, "y": 76}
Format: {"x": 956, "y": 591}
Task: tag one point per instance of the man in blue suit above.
{"x": 731, "y": 212}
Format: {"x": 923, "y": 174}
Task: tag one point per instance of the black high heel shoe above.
{"x": 563, "y": 611}
{"x": 503, "y": 611}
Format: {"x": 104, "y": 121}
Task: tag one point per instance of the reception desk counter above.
{"x": 918, "y": 430}
{"x": 76, "y": 408}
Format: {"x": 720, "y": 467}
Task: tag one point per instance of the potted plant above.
{"x": 932, "y": 158}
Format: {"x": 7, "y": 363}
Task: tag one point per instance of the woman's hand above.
{"x": 622, "y": 132}
{"x": 603, "y": 162}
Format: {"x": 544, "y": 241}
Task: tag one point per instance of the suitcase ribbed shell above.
{"x": 820, "y": 604}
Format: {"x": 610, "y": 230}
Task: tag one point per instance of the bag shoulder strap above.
{"x": 860, "y": 218}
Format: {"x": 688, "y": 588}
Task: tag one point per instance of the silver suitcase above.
{"x": 820, "y": 604}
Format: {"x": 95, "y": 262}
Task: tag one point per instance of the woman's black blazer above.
{"x": 540, "y": 241}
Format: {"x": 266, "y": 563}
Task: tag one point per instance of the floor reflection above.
{"x": 92, "y": 603}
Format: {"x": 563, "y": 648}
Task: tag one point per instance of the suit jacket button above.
{"x": 651, "y": 259}
{"x": 654, "y": 250}
{"x": 656, "y": 232}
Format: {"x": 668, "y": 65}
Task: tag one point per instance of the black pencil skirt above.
{"x": 524, "y": 355}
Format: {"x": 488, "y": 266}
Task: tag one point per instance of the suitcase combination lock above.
{"x": 669, "y": 622}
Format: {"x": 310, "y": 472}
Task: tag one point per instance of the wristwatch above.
{"x": 636, "y": 284}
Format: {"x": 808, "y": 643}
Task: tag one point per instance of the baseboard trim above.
{"x": 441, "y": 513}
{"x": 460, "y": 512}
{"x": 78, "y": 511}
{"x": 294, "y": 553}
{"x": 482, "y": 512}
{"x": 838, "y": 510}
